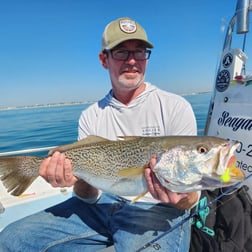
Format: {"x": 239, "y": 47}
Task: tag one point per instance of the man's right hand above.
{"x": 57, "y": 170}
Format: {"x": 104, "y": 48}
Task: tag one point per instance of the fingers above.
{"x": 55, "y": 173}
{"x": 149, "y": 182}
{"x": 188, "y": 201}
{"x": 178, "y": 200}
{"x": 153, "y": 161}
{"x": 161, "y": 193}
{"x": 57, "y": 170}
{"x": 68, "y": 174}
{"x": 43, "y": 167}
{"x": 155, "y": 188}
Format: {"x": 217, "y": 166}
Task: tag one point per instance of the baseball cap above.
{"x": 123, "y": 29}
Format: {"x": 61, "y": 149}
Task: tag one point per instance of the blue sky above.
{"x": 49, "y": 48}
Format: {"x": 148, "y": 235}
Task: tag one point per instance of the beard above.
{"x": 130, "y": 82}
{"x": 131, "y": 77}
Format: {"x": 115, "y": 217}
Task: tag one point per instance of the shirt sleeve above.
{"x": 87, "y": 122}
{"x": 179, "y": 117}
{"x": 184, "y": 122}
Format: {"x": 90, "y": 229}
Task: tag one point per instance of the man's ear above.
{"x": 103, "y": 59}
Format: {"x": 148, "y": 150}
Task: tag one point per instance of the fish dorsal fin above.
{"x": 131, "y": 172}
{"x": 88, "y": 140}
{"x": 93, "y": 139}
{"x": 127, "y": 138}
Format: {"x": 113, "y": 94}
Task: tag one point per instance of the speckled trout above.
{"x": 184, "y": 164}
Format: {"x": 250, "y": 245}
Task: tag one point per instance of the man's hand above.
{"x": 57, "y": 170}
{"x": 179, "y": 200}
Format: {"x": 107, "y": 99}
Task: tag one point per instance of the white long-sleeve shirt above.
{"x": 153, "y": 113}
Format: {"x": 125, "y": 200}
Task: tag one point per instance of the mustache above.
{"x": 127, "y": 67}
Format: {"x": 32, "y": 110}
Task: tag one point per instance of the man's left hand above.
{"x": 159, "y": 192}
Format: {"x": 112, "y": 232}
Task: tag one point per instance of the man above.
{"x": 91, "y": 219}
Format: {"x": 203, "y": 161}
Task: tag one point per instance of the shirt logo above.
{"x": 128, "y": 26}
{"x": 151, "y": 131}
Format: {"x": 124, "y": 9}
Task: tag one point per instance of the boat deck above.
{"x": 38, "y": 196}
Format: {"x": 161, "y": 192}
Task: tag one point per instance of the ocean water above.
{"x": 22, "y": 129}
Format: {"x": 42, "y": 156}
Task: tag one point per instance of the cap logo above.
{"x": 128, "y": 26}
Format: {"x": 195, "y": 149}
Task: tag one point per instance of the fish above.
{"x": 184, "y": 164}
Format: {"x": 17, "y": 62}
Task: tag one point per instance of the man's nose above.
{"x": 131, "y": 58}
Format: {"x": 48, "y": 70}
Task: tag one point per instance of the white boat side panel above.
{"x": 232, "y": 119}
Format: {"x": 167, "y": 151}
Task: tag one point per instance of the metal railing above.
{"x": 33, "y": 150}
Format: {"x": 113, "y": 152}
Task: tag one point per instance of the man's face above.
{"x": 127, "y": 72}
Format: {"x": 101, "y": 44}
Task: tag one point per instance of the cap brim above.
{"x": 119, "y": 41}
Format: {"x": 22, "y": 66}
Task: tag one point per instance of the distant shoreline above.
{"x": 197, "y": 93}
{"x": 46, "y": 105}
{"x": 73, "y": 103}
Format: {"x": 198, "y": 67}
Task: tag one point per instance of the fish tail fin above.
{"x": 18, "y": 173}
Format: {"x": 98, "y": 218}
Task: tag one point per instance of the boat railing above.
{"x": 240, "y": 19}
{"x": 25, "y": 151}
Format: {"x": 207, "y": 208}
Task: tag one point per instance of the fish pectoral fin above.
{"x": 138, "y": 197}
{"x": 131, "y": 172}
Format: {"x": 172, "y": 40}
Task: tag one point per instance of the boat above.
{"x": 229, "y": 116}
{"x": 38, "y": 196}
{"x": 230, "y": 110}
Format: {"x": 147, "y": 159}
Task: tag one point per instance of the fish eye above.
{"x": 202, "y": 149}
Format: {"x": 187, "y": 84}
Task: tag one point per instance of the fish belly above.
{"x": 120, "y": 186}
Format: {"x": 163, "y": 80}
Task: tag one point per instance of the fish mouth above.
{"x": 233, "y": 170}
{"x": 227, "y": 167}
